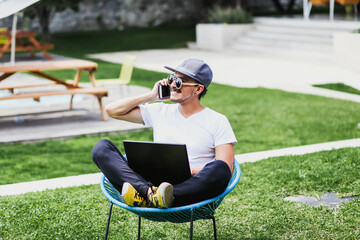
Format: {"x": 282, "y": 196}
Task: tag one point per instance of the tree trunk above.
{"x": 278, "y": 6}
{"x": 43, "y": 14}
{"x": 238, "y": 3}
{"x": 290, "y": 6}
{"x": 281, "y": 9}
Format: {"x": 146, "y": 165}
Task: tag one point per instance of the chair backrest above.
{"x": 127, "y": 69}
{"x": 202, "y": 210}
{"x": 3, "y": 39}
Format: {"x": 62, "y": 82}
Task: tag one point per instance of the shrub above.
{"x": 356, "y": 31}
{"x": 228, "y": 15}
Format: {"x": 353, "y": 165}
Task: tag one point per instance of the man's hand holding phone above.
{"x": 164, "y": 90}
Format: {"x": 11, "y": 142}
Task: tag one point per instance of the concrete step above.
{"x": 293, "y": 31}
{"x": 320, "y": 47}
{"x": 292, "y": 37}
{"x": 309, "y": 24}
{"x": 289, "y": 37}
{"x": 280, "y": 52}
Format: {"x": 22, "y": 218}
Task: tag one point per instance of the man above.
{"x": 207, "y": 134}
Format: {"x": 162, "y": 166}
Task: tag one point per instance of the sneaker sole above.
{"x": 166, "y": 193}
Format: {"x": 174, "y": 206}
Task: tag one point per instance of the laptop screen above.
{"x": 158, "y": 162}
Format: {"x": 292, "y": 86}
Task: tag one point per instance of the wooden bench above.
{"x": 31, "y": 46}
{"x": 72, "y": 86}
{"x": 31, "y": 49}
{"x": 12, "y": 87}
{"x": 36, "y": 95}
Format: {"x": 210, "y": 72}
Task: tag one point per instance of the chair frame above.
{"x": 189, "y": 213}
{"x": 124, "y": 77}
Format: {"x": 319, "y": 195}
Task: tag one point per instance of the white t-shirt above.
{"x": 201, "y": 132}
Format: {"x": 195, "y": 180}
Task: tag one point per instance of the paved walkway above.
{"x": 94, "y": 178}
{"x": 293, "y": 75}
{"x": 24, "y": 120}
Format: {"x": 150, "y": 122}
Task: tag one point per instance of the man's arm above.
{"x": 225, "y": 152}
{"x": 128, "y": 108}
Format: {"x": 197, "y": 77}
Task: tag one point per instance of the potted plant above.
{"x": 223, "y": 26}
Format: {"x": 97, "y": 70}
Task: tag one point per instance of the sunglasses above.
{"x": 179, "y": 82}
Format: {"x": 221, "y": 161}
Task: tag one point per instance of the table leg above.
{"x": 93, "y": 81}
{"x": 92, "y": 77}
{"x": 103, "y": 114}
{"x": 58, "y": 81}
{"x": 5, "y": 75}
{"x": 38, "y": 46}
{"x": 76, "y": 82}
{"x": 48, "y": 56}
{"x": 32, "y": 53}
{"x": 71, "y": 101}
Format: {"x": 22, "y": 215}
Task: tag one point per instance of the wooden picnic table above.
{"x": 30, "y": 46}
{"x": 37, "y": 68}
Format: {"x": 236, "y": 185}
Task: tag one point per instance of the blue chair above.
{"x": 189, "y": 213}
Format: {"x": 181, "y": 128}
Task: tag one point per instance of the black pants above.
{"x": 209, "y": 182}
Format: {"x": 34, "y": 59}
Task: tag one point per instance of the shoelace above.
{"x": 150, "y": 185}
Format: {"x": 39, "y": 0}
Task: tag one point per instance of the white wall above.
{"x": 218, "y": 36}
{"x": 346, "y": 47}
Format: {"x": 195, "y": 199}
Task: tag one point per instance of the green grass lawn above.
{"x": 255, "y": 209}
{"x": 339, "y": 87}
{"x": 262, "y": 119}
{"x": 78, "y": 44}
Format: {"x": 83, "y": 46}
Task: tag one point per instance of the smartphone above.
{"x": 164, "y": 91}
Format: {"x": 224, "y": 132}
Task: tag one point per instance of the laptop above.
{"x": 158, "y": 162}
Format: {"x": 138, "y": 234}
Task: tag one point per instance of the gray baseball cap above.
{"x": 196, "y": 69}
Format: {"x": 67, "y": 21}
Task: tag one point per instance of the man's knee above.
{"x": 219, "y": 167}
{"x": 218, "y": 172}
{"x": 100, "y": 149}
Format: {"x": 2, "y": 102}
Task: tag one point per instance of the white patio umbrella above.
{"x": 9, "y": 7}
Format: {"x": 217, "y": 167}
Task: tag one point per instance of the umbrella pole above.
{"x": 13, "y": 38}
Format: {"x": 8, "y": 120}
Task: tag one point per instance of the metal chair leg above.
{"x": 355, "y": 12}
{"x": 191, "y": 224}
{"x": 108, "y": 222}
{"x": 139, "y": 227}
{"x": 214, "y": 224}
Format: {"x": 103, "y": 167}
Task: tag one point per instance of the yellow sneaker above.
{"x": 131, "y": 196}
{"x": 162, "y": 196}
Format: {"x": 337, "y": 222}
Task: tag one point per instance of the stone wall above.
{"x": 110, "y": 14}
